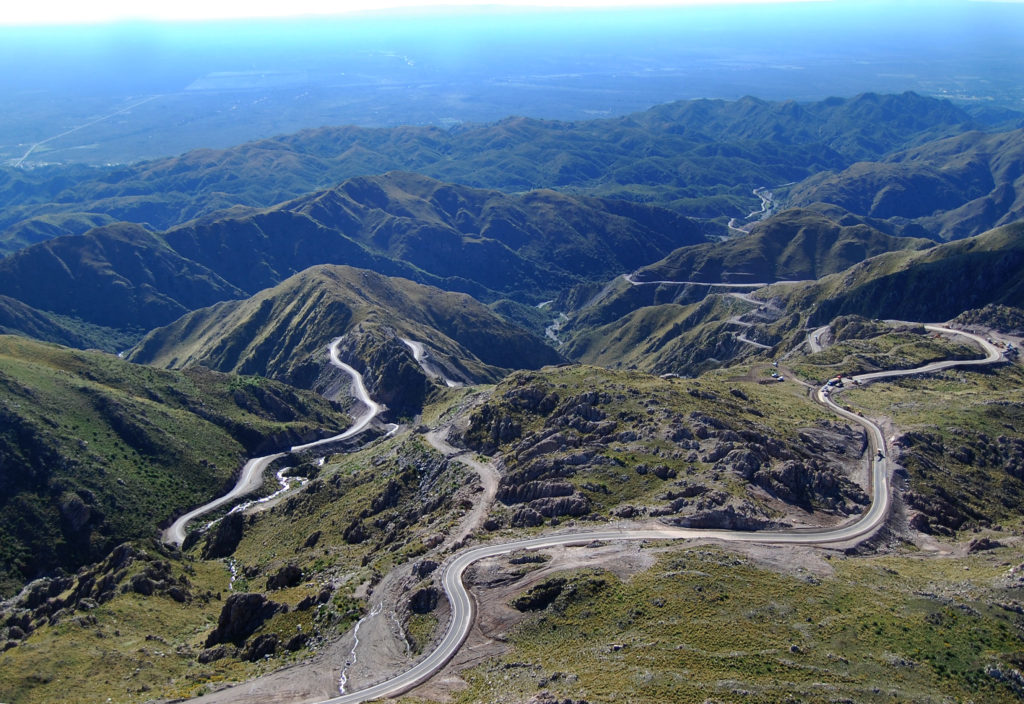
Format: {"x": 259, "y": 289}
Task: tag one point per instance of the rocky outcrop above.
{"x": 224, "y": 539}
{"x": 423, "y": 601}
{"x": 746, "y": 517}
{"x": 52, "y": 600}
{"x": 540, "y": 596}
{"x": 262, "y": 646}
{"x": 424, "y": 568}
{"x": 526, "y": 517}
{"x": 288, "y": 576}
{"x": 212, "y": 654}
{"x": 241, "y": 616}
{"x": 521, "y": 493}
{"x": 575, "y": 505}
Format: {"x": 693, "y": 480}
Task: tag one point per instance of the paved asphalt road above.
{"x": 252, "y": 473}
{"x": 462, "y": 606}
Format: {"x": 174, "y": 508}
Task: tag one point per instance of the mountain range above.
{"x": 701, "y": 158}
{"x": 573, "y": 327}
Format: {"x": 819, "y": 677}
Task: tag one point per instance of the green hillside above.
{"x": 700, "y": 157}
{"x": 95, "y": 451}
{"x": 947, "y": 189}
{"x": 791, "y": 246}
{"x": 930, "y": 285}
{"x": 119, "y": 276}
{"x": 283, "y": 333}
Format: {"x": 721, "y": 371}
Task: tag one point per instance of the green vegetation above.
{"x": 134, "y": 647}
{"x": 420, "y": 631}
{"x": 899, "y": 347}
{"x": 794, "y": 245}
{"x": 701, "y": 157}
{"x": 95, "y": 451}
{"x": 283, "y": 333}
{"x": 931, "y": 285}
{"x": 950, "y": 188}
{"x": 705, "y": 623}
{"x": 961, "y": 442}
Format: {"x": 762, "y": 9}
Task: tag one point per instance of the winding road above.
{"x": 463, "y": 610}
{"x": 251, "y": 477}
{"x": 462, "y": 605}
{"x": 429, "y": 368}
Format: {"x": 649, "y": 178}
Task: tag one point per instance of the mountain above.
{"x": 668, "y": 338}
{"x": 95, "y": 451}
{"x": 282, "y": 333}
{"x": 929, "y": 285}
{"x": 688, "y": 328}
{"x": 525, "y": 247}
{"x": 495, "y": 246}
{"x": 45, "y": 227}
{"x": 120, "y": 276}
{"x": 701, "y": 158}
{"x": 793, "y": 245}
{"x": 947, "y": 189}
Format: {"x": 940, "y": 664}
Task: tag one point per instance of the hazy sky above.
{"x": 91, "y": 11}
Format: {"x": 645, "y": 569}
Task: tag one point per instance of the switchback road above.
{"x": 462, "y": 604}
{"x": 251, "y": 477}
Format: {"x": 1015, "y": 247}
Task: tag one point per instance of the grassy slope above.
{"x": 279, "y": 331}
{"x": 116, "y": 659}
{"x": 96, "y": 450}
{"x": 707, "y": 624}
{"x": 791, "y": 246}
{"x": 935, "y": 284}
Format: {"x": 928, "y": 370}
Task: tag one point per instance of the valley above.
{"x": 558, "y": 412}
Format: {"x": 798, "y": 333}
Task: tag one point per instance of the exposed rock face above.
{"x": 296, "y": 642}
{"x": 225, "y": 538}
{"x": 526, "y": 517}
{"x": 521, "y": 493}
{"x": 241, "y": 616}
{"x": 729, "y": 517}
{"x": 288, "y": 576}
{"x": 424, "y": 568}
{"x": 355, "y": 533}
{"x": 261, "y": 646}
{"x": 540, "y": 596}
{"x": 424, "y": 600}
{"x": 212, "y": 654}
{"x": 554, "y": 444}
{"x": 51, "y": 600}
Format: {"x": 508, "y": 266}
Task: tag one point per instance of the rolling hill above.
{"x": 947, "y": 189}
{"x": 791, "y": 246}
{"x": 282, "y": 333}
{"x": 95, "y": 450}
{"x": 700, "y": 157}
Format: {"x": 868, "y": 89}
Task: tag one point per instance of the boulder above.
{"x": 241, "y": 615}
{"x": 225, "y": 538}
{"x": 288, "y": 576}
{"x": 261, "y": 647}
{"x": 424, "y": 568}
{"x": 212, "y": 654}
{"x": 424, "y": 600}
